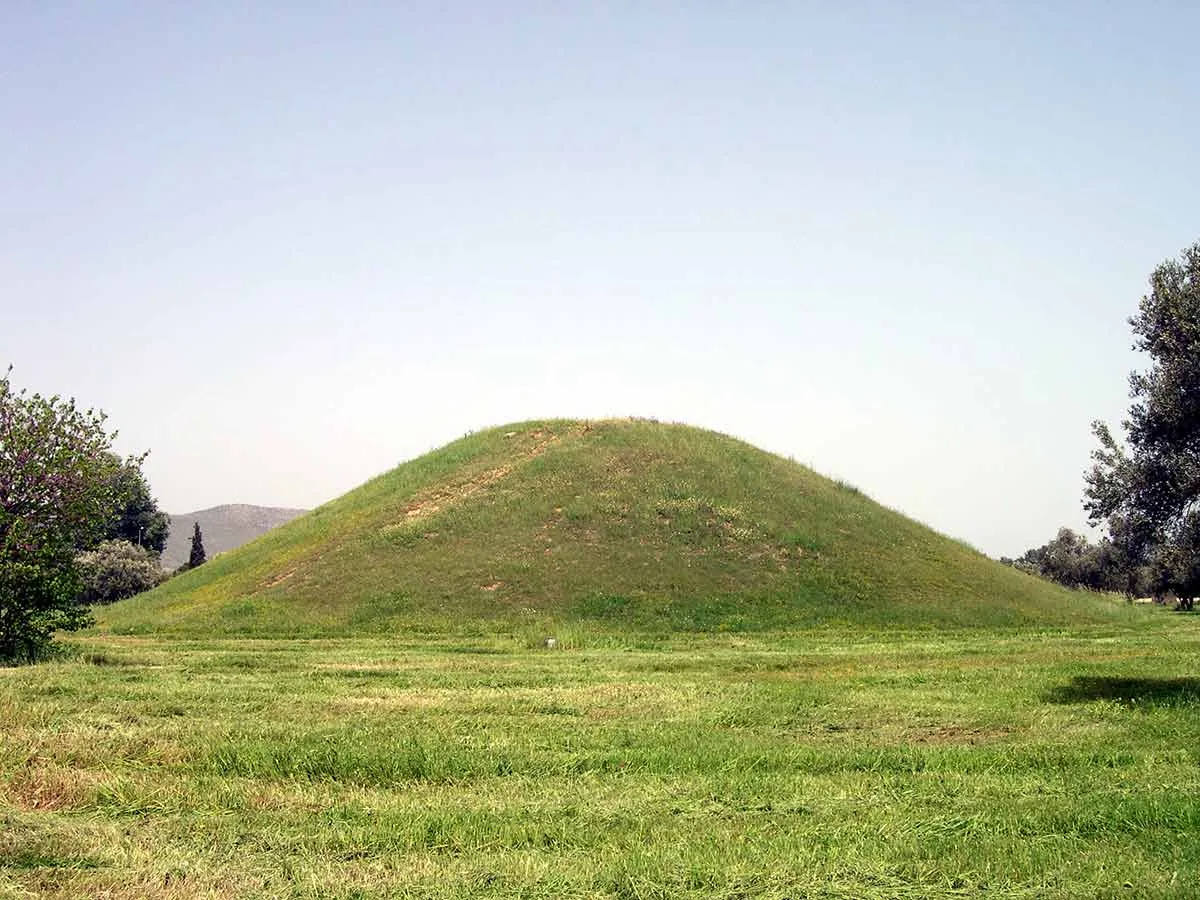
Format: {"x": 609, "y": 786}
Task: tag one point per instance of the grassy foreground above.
{"x": 834, "y": 764}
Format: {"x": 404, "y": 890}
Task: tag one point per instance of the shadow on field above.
{"x": 1130, "y": 691}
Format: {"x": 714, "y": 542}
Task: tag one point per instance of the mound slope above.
{"x": 628, "y": 524}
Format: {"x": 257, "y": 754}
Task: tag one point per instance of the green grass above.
{"x": 828, "y": 763}
{"x": 613, "y": 525}
{"x": 763, "y": 685}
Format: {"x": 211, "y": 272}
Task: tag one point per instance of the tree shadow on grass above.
{"x": 1128, "y": 691}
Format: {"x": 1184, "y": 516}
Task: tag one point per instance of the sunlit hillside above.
{"x": 613, "y": 525}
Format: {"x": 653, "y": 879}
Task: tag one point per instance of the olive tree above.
{"x": 1148, "y": 491}
{"x": 114, "y": 570}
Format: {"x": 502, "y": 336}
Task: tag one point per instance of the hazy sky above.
{"x": 286, "y": 249}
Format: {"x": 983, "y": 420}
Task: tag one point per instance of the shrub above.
{"x": 116, "y": 570}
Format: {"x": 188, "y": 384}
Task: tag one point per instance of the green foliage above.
{"x": 57, "y": 495}
{"x": 197, "y": 556}
{"x": 115, "y": 570}
{"x": 1073, "y": 561}
{"x": 625, "y": 525}
{"x": 139, "y": 520}
{"x": 1149, "y": 495}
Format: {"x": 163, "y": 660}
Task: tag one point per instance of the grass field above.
{"x": 825, "y": 763}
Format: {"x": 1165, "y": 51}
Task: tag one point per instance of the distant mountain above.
{"x": 223, "y": 528}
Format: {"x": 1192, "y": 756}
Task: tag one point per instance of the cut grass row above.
{"x": 822, "y": 764}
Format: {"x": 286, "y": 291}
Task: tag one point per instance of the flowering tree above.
{"x": 57, "y": 497}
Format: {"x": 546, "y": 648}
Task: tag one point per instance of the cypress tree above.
{"x": 197, "y": 556}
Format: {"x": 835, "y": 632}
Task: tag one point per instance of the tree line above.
{"x": 1144, "y": 491}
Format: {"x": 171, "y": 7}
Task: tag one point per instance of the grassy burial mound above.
{"x": 631, "y": 525}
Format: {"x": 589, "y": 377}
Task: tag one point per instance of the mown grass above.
{"x": 828, "y": 763}
{"x": 616, "y": 525}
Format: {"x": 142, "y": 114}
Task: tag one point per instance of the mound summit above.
{"x": 625, "y": 524}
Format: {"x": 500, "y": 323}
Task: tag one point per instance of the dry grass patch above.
{"x": 403, "y": 700}
{"x": 957, "y": 734}
{"x": 437, "y": 500}
{"x": 50, "y": 788}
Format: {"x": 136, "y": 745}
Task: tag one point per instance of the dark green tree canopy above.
{"x": 139, "y": 520}
{"x": 1149, "y": 492}
{"x": 197, "y": 556}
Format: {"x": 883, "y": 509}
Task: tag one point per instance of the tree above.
{"x": 1064, "y": 559}
{"x": 1073, "y": 561}
{"x": 115, "y": 570}
{"x": 1149, "y": 493}
{"x": 56, "y": 499}
{"x": 139, "y": 520}
{"x": 197, "y": 556}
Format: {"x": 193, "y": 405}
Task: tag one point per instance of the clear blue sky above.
{"x": 286, "y": 249}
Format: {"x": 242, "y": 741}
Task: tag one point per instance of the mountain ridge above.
{"x": 223, "y": 528}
